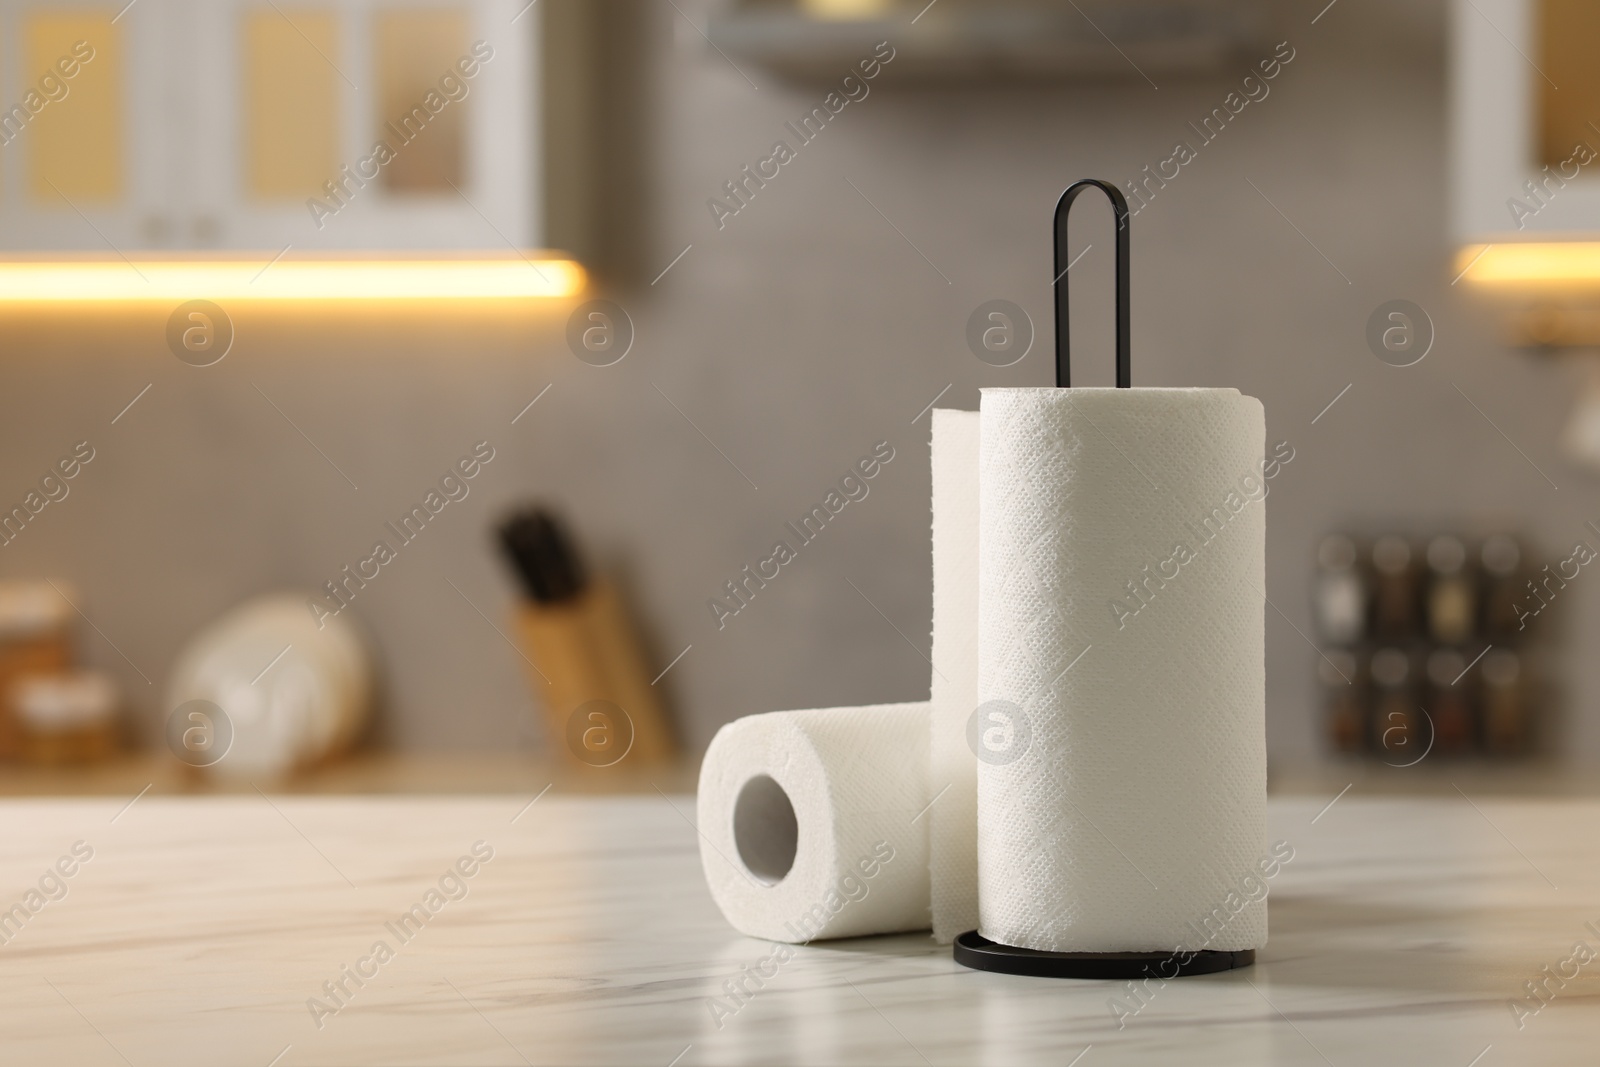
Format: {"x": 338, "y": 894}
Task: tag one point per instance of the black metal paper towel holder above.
{"x": 1119, "y": 209}
{"x": 972, "y": 949}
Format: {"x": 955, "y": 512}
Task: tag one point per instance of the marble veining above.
{"x": 1403, "y": 931}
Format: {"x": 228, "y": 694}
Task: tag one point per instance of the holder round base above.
{"x": 978, "y": 952}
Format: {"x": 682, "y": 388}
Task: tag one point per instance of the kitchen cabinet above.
{"x": 194, "y": 126}
{"x": 1526, "y": 99}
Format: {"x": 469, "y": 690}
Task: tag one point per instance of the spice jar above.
{"x": 1454, "y": 723}
{"x": 65, "y": 718}
{"x": 1345, "y": 699}
{"x": 1502, "y": 598}
{"x": 1397, "y": 731}
{"x": 1506, "y": 712}
{"x": 1452, "y": 607}
{"x": 1340, "y": 597}
{"x": 1394, "y": 589}
{"x": 35, "y": 639}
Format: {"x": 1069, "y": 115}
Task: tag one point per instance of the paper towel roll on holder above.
{"x": 972, "y": 949}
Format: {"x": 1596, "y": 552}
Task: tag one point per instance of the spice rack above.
{"x": 1429, "y": 645}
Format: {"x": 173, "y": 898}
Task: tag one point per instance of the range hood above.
{"x": 994, "y": 38}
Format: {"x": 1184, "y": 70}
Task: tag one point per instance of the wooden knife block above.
{"x": 586, "y": 649}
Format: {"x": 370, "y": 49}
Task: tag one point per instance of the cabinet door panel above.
{"x": 423, "y": 100}
{"x": 87, "y": 163}
{"x": 74, "y": 125}
{"x": 290, "y": 102}
{"x": 74, "y": 64}
{"x": 1568, "y": 31}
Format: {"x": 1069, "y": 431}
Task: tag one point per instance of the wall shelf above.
{"x": 1011, "y": 39}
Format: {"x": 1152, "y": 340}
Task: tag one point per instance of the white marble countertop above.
{"x": 1402, "y": 932}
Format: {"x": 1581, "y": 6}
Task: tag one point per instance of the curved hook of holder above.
{"x": 1119, "y": 207}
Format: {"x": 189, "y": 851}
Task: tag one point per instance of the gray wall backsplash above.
{"x": 781, "y": 349}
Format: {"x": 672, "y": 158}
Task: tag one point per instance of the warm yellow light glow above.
{"x": 60, "y": 280}
{"x": 1544, "y": 264}
{"x": 846, "y": 9}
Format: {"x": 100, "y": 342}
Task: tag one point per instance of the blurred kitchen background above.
{"x": 774, "y": 347}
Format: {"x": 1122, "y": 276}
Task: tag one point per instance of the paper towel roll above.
{"x": 1122, "y": 538}
{"x": 812, "y": 823}
{"x": 952, "y": 767}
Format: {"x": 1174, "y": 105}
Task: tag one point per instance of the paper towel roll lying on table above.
{"x": 1122, "y": 539}
{"x": 952, "y": 767}
{"x": 811, "y": 822}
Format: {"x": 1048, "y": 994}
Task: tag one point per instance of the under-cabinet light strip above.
{"x": 410, "y": 279}
{"x": 1549, "y": 264}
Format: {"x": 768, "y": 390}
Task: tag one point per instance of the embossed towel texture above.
{"x": 952, "y": 770}
{"x": 1120, "y": 576}
{"x": 812, "y": 823}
